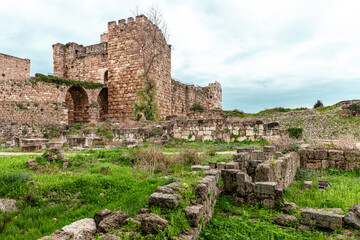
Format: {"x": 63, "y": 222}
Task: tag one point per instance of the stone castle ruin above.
{"x": 116, "y": 64}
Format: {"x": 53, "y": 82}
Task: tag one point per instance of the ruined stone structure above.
{"x": 14, "y": 68}
{"x": 117, "y": 62}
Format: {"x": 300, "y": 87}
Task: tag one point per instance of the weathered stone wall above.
{"x": 330, "y": 158}
{"x": 126, "y": 66}
{"x": 14, "y": 68}
{"x": 183, "y": 97}
{"x": 29, "y": 101}
{"x": 118, "y": 62}
{"x": 76, "y": 62}
{"x": 204, "y": 130}
{"x": 239, "y": 185}
{"x": 220, "y": 129}
{"x": 26, "y": 129}
{"x": 265, "y": 165}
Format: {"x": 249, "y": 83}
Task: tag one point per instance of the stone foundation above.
{"x": 329, "y": 158}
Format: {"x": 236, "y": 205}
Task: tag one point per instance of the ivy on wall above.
{"x": 62, "y": 81}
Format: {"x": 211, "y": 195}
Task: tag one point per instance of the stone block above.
{"x": 214, "y": 172}
{"x": 257, "y": 155}
{"x": 152, "y": 223}
{"x": 170, "y": 201}
{"x": 212, "y": 165}
{"x": 325, "y": 164}
{"x": 308, "y": 184}
{"x": 99, "y": 216}
{"x": 112, "y": 221}
{"x": 265, "y": 190}
{"x": 240, "y": 157}
{"x": 321, "y": 219}
{"x": 221, "y": 165}
{"x": 82, "y": 229}
{"x": 194, "y": 213}
{"x": 336, "y": 155}
{"x": 232, "y": 165}
{"x": 269, "y": 149}
{"x": 321, "y": 154}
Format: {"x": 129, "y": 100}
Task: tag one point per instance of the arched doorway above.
{"x": 77, "y": 103}
{"x": 103, "y": 103}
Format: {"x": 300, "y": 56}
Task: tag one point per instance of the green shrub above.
{"x": 197, "y": 107}
{"x": 295, "y": 132}
{"x": 67, "y": 82}
{"x": 318, "y": 104}
{"x": 354, "y": 109}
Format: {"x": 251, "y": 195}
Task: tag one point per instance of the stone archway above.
{"x": 103, "y": 104}
{"x": 77, "y": 103}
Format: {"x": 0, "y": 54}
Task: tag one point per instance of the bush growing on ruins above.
{"x": 354, "y": 109}
{"x": 151, "y": 38}
{"x": 295, "y": 132}
{"x": 67, "y": 82}
{"x": 146, "y": 106}
{"x": 318, "y": 104}
{"x": 197, "y": 107}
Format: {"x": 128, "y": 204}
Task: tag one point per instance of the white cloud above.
{"x": 277, "y": 45}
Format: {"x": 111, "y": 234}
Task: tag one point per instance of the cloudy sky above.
{"x": 265, "y": 53}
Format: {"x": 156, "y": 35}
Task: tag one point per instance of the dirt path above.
{"x": 17, "y": 153}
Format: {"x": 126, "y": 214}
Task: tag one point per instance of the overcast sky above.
{"x": 265, "y": 53}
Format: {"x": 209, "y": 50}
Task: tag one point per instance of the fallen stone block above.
{"x": 81, "y": 230}
{"x": 324, "y": 184}
{"x": 308, "y": 184}
{"x": 8, "y": 205}
{"x": 152, "y": 223}
{"x": 112, "y": 221}
{"x": 285, "y": 220}
{"x": 321, "y": 219}
{"x": 99, "y": 216}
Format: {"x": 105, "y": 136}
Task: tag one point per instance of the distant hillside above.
{"x": 326, "y": 123}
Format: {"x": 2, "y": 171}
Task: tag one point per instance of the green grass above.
{"x": 248, "y": 222}
{"x": 80, "y": 193}
{"x": 345, "y": 190}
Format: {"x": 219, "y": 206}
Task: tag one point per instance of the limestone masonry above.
{"x": 14, "y": 68}
{"x": 117, "y": 63}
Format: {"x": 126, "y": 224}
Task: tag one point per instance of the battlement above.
{"x": 123, "y": 23}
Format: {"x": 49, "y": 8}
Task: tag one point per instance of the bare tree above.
{"x": 151, "y": 35}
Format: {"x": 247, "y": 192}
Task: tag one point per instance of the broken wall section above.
{"x": 14, "y": 68}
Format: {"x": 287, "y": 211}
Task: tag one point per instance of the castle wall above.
{"x": 118, "y": 62}
{"x": 14, "y": 68}
{"x": 126, "y": 66}
{"x": 40, "y": 102}
{"x": 76, "y": 62}
{"x": 183, "y": 97}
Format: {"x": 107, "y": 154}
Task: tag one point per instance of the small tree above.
{"x": 151, "y": 38}
{"x": 318, "y": 104}
{"x": 146, "y": 105}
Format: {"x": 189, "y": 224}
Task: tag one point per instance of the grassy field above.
{"x": 57, "y": 199}
{"x": 122, "y": 179}
{"x": 345, "y": 190}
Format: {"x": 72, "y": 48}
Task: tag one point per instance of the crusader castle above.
{"x": 115, "y": 64}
